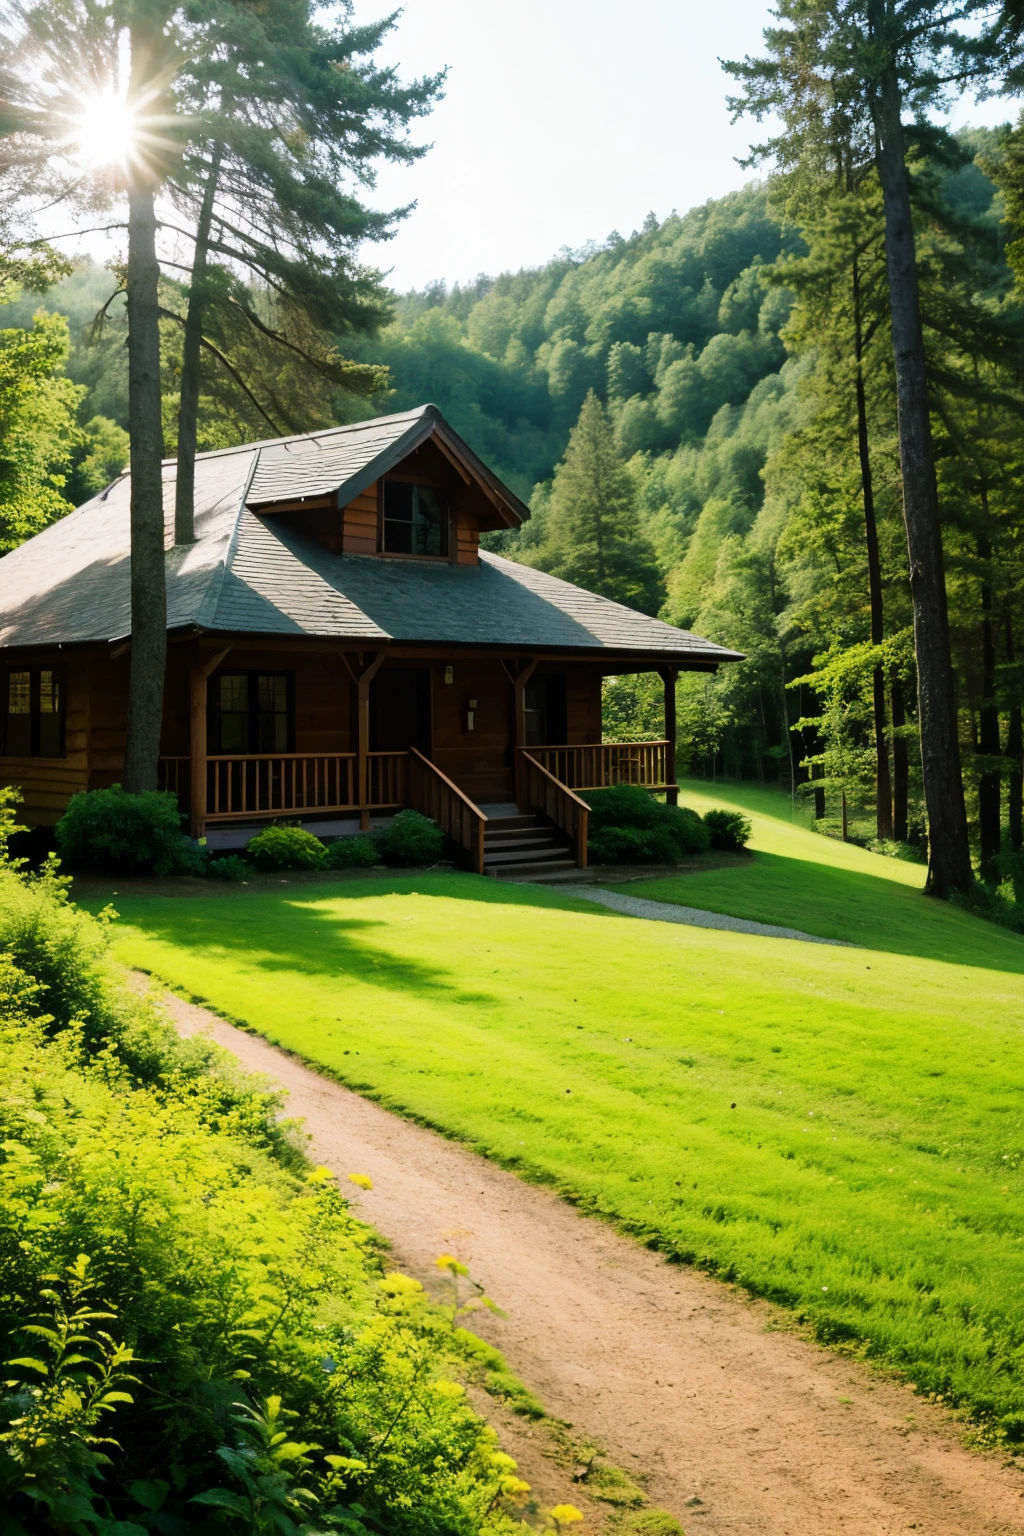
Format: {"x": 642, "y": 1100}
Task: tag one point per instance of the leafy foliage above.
{"x": 351, "y": 853}
{"x": 410, "y": 838}
{"x": 285, "y": 848}
{"x": 195, "y": 1327}
{"x": 109, "y": 830}
{"x": 728, "y": 830}
{"x": 627, "y": 825}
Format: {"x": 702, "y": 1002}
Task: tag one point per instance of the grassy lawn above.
{"x": 839, "y": 1129}
{"x": 803, "y": 880}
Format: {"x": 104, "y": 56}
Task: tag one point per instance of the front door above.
{"x": 400, "y": 710}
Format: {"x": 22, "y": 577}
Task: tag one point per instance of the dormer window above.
{"x": 414, "y": 520}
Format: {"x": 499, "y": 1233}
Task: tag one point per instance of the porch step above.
{"x": 525, "y": 848}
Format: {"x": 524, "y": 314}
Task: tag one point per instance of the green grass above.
{"x": 803, "y": 880}
{"x": 838, "y": 1129}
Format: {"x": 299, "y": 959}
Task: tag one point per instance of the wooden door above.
{"x": 400, "y": 710}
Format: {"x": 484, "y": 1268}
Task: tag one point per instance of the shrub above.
{"x": 686, "y": 827}
{"x": 625, "y": 805}
{"x": 228, "y": 867}
{"x": 286, "y": 848}
{"x": 728, "y": 830}
{"x": 121, "y": 834}
{"x": 632, "y": 845}
{"x": 645, "y": 830}
{"x": 351, "y": 853}
{"x": 890, "y": 848}
{"x": 411, "y": 839}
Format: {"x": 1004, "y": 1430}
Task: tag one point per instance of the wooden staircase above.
{"x": 528, "y": 847}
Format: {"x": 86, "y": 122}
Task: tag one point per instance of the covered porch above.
{"x": 448, "y": 735}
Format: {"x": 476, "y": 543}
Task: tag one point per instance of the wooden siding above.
{"x": 478, "y": 761}
{"x": 47, "y": 783}
{"x": 360, "y": 523}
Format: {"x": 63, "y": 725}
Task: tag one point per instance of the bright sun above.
{"x": 102, "y": 131}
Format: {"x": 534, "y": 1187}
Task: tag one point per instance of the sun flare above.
{"x": 103, "y": 130}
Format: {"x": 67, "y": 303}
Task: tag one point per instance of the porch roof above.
{"x": 254, "y": 575}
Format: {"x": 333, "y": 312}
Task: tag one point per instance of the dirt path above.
{"x": 734, "y": 1427}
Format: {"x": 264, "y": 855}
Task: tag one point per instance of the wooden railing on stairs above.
{"x": 432, "y": 793}
{"x": 606, "y": 763}
{"x": 541, "y": 791}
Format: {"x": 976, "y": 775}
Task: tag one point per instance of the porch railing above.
{"x": 172, "y": 774}
{"x": 434, "y": 795}
{"x": 288, "y": 784}
{"x": 610, "y": 762}
{"x": 543, "y": 792}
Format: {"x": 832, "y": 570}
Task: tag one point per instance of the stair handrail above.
{"x": 448, "y": 805}
{"x": 557, "y": 801}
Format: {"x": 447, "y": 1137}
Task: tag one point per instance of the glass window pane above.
{"x": 19, "y": 693}
{"x": 273, "y": 718}
{"x": 234, "y": 691}
{"x": 234, "y": 712}
{"x": 18, "y": 735}
{"x": 415, "y": 520}
{"x": 430, "y": 522}
{"x": 398, "y": 500}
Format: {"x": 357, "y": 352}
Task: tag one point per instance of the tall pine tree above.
{"x": 591, "y": 534}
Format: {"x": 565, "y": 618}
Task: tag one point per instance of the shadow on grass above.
{"x": 838, "y": 903}
{"x": 280, "y": 936}
{"x": 311, "y": 935}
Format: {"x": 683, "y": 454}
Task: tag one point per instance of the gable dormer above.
{"x": 422, "y": 497}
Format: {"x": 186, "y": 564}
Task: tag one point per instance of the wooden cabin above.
{"x": 339, "y": 647}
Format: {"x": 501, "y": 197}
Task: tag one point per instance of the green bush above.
{"x": 228, "y": 867}
{"x": 351, "y": 853}
{"x": 632, "y": 845}
{"x": 121, "y": 834}
{"x": 286, "y": 848}
{"x": 627, "y": 825}
{"x": 411, "y": 839}
{"x": 192, "y": 1320}
{"x": 688, "y": 829}
{"x": 625, "y": 805}
{"x": 728, "y": 830}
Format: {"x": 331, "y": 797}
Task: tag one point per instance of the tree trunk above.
{"x": 1014, "y": 754}
{"x": 148, "y": 587}
{"x": 949, "y": 864}
{"x": 883, "y": 783}
{"x": 188, "y": 408}
{"x": 900, "y": 766}
{"x": 990, "y": 782}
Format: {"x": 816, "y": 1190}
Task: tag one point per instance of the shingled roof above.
{"x": 251, "y": 574}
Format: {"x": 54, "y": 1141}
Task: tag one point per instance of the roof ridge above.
{"x": 211, "y": 597}
{"x": 307, "y": 437}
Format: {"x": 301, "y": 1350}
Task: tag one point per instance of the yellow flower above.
{"x": 319, "y": 1176}
{"x": 565, "y": 1514}
{"x": 401, "y": 1285}
{"x": 360, "y": 1179}
{"x": 449, "y": 1262}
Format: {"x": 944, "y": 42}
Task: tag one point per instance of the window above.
{"x": 252, "y": 712}
{"x": 34, "y": 713}
{"x": 415, "y": 520}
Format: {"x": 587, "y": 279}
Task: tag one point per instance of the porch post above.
{"x": 363, "y": 681}
{"x": 198, "y": 678}
{"x": 668, "y": 677}
{"x": 519, "y": 683}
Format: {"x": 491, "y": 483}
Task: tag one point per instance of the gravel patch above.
{"x": 696, "y": 917}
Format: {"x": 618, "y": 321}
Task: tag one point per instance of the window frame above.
{"x": 444, "y": 496}
{"x": 252, "y": 676}
{"x": 35, "y": 672}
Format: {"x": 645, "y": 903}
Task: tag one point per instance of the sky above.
{"x": 563, "y": 120}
